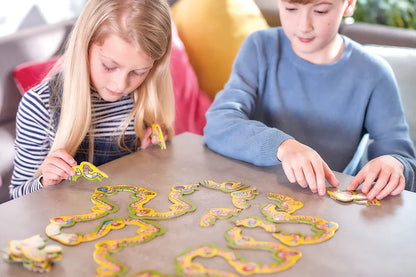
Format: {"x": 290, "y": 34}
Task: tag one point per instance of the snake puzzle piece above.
{"x": 158, "y": 134}
{"x": 354, "y": 196}
{"x": 88, "y": 171}
{"x": 33, "y": 253}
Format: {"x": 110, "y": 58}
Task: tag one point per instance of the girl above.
{"x": 115, "y": 82}
{"x": 304, "y": 96}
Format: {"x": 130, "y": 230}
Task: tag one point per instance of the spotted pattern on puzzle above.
{"x": 33, "y": 253}
{"x": 274, "y": 214}
{"x": 88, "y": 171}
{"x": 353, "y": 196}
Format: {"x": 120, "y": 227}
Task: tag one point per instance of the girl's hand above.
{"x": 387, "y": 173}
{"x": 56, "y": 167}
{"x": 303, "y": 165}
{"x": 148, "y": 139}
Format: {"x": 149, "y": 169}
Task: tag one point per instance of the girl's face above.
{"x": 117, "y": 67}
{"x": 313, "y": 28}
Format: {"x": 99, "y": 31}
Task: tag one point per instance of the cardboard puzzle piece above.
{"x": 281, "y": 213}
{"x": 88, "y": 171}
{"x": 102, "y": 255}
{"x": 147, "y": 230}
{"x": 158, "y": 134}
{"x": 353, "y": 196}
{"x": 240, "y": 195}
{"x": 283, "y": 256}
{"x": 33, "y": 252}
{"x": 275, "y": 214}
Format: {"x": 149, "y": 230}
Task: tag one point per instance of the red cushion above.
{"x": 191, "y": 102}
{"x": 30, "y": 74}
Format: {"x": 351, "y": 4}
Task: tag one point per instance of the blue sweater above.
{"x": 273, "y": 95}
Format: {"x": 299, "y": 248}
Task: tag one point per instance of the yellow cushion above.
{"x": 212, "y": 32}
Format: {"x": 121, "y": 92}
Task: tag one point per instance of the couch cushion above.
{"x": 212, "y": 32}
{"x": 191, "y": 102}
{"x": 403, "y": 62}
{"x": 28, "y": 75}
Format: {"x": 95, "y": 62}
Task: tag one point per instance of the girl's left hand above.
{"x": 387, "y": 173}
{"x": 148, "y": 139}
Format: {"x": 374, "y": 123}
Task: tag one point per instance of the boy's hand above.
{"x": 303, "y": 165}
{"x": 56, "y": 167}
{"x": 387, "y": 173}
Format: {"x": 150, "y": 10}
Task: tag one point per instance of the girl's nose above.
{"x": 121, "y": 82}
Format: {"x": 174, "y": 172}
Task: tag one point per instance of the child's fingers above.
{"x": 356, "y": 181}
{"x": 300, "y": 177}
{"x": 310, "y": 177}
{"x": 319, "y": 172}
{"x": 382, "y": 184}
{"x": 400, "y": 187}
{"x": 146, "y": 140}
{"x": 63, "y": 155}
{"x": 290, "y": 175}
{"x": 330, "y": 176}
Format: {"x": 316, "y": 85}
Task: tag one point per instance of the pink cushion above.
{"x": 30, "y": 74}
{"x": 191, "y": 103}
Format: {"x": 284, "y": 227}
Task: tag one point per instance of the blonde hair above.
{"x": 144, "y": 23}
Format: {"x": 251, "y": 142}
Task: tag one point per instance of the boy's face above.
{"x": 313, "y": 27}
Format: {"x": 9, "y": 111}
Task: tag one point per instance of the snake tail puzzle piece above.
{"x": 185, "y": 264}
{"x": 33, "y": 252}
{"x": 138, "y": 216}
{"x": 354, "y": 196}
{"x": 240, "y": 196}
{"x": 282, "y": 213}
{"x": 157, "y": 132}
{"x": 88, "y": 171}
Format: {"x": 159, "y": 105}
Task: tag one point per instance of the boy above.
{"x": 304, "y": 96}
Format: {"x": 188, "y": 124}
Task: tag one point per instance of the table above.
{"x": 370, "y": 241}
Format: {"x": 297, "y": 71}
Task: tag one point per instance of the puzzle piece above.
{"x": 33, "y": 252}
{"x": 88, "y": 171}
{"x": 281, "y": 213}
{"x": 157, "y": 132}
{"x": 351, "y": 196}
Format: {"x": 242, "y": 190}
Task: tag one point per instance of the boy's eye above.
{"x": 291, "y": 9}
{"x": 321, "y": 11}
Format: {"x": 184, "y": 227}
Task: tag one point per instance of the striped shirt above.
{"x": 36, "y": 126}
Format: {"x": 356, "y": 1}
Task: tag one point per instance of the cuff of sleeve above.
{"x": 39, "y": 183}
{"x": 408, "y": 174}
{"x": 270, "y": 146}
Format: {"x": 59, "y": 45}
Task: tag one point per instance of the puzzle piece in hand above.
{"x": 157, "y": 132}
{"x": 351, "y": 196}
{"x": 33, "y": 252}
{"x": 88, "y": 171}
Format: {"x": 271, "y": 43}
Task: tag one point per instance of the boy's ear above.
{"x": 349, "y": 10}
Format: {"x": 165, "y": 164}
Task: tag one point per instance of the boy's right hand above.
{"x": 56, "y": 167}
{"x": 303, "y": 165}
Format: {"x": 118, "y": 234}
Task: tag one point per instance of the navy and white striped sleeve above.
{"x": 32, "y": 142}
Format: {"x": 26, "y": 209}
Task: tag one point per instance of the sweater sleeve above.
{"x": 387, "y": 126}
{"x": 31, "y": 144}
{"x": 231, "y": 129}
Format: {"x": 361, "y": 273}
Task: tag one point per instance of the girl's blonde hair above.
{"x": 144, "y": 23}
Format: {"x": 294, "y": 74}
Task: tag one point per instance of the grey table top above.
{"x": 370, "y": 241}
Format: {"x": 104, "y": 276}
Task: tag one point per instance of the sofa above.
{"x": 38, "y": 44}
